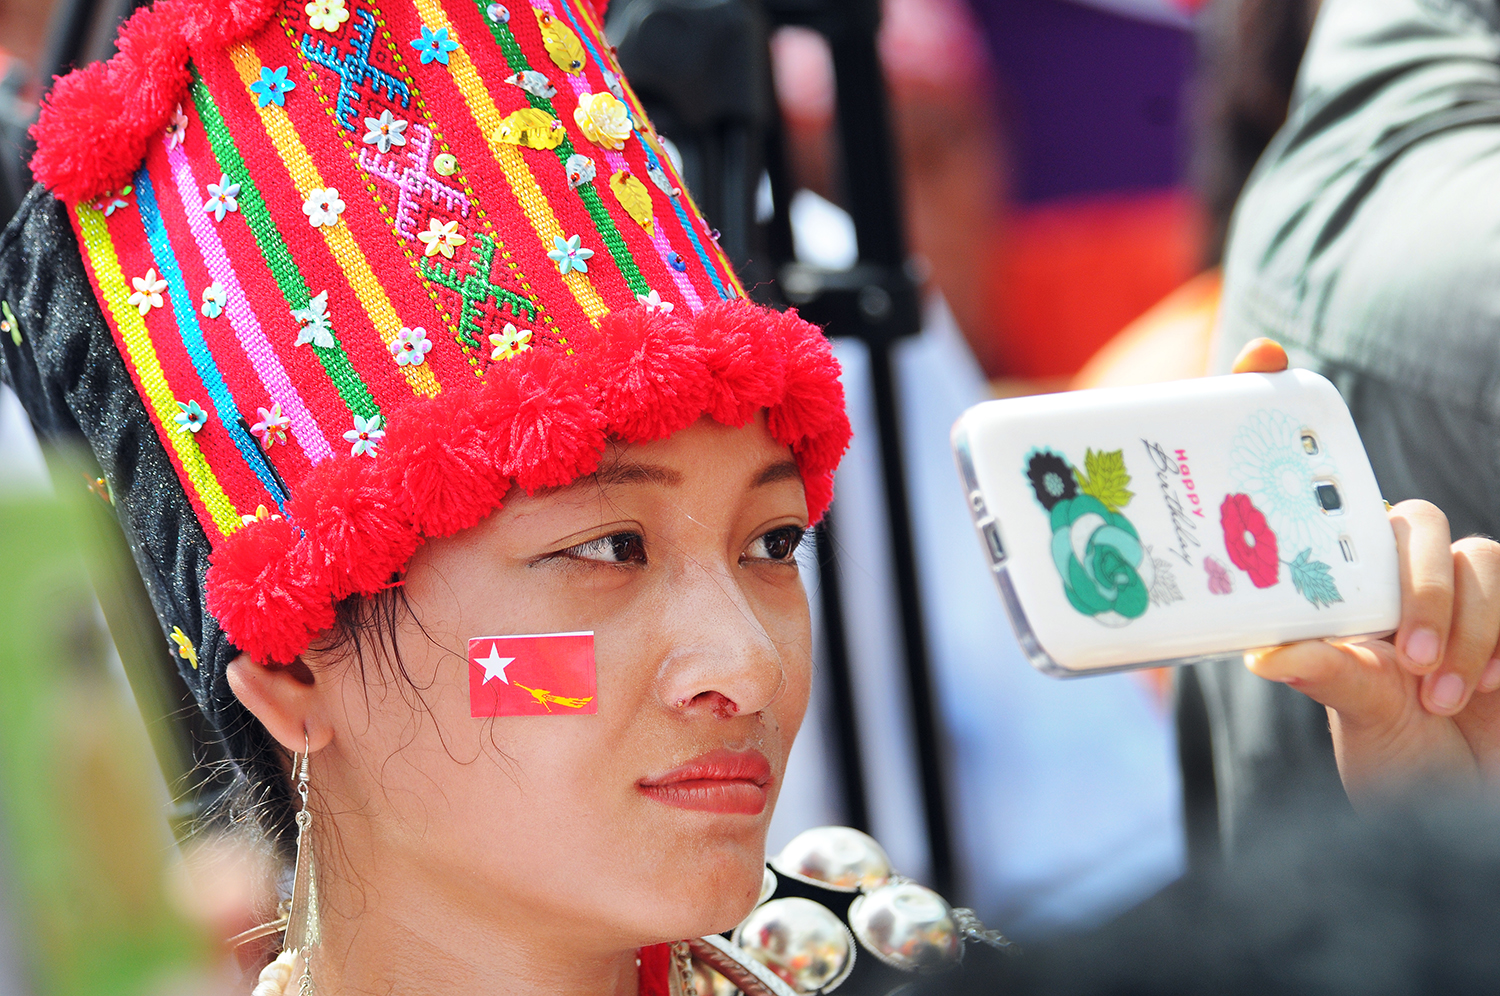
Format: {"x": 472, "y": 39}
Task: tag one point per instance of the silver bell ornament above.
{"x": 907, "y": 926}
{"x": 803, "y": 942}
{"x": 839, "y": 858}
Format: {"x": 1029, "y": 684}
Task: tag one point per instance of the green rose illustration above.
{"x": 1099, "y": 555}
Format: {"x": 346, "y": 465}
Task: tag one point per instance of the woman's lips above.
{"x": 721, "y": 781}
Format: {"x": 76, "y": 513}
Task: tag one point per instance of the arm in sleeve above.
{"x": 1370, "y": 232}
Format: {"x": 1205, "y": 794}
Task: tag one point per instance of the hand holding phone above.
{"x": 1420, "y": 706}
{"x": 1165, "y": 524}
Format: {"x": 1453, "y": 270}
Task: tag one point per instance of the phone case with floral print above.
{"x": 1172, "y": 523}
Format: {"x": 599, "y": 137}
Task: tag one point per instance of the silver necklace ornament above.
{"x": 974, "y": 931}
{"x": 907, "y": 926}
{"x": 802, "y": 941}
{"x": 838, "y": 858}
{"x": 901, "y": 923}
{"x": 736, "y": 968}
{"x": 683, "y": 983}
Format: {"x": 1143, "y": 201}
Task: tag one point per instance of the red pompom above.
{"x": 94, "y": 125}
{"x": 601, "y": 7}
{"x": 819, "y": 490}
{"x": 742, "y": 346}
{"x": 814, "y": 400}
{"x": 215, "y": 25}
{"x": 544, "y": 419}
{"x": 358, "y": 532}
{"x": 823, "y": 452}
{"x": 442, "y": 465}
{"x": 267, "y": 599}
{"x": 649, "y": 371}
{"x": 70, "y": 158}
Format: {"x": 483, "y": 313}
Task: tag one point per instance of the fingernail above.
{"x": 1447, "y": 690}
{"x": 1422, "y": 648}
{"x": 1490, "y": 679}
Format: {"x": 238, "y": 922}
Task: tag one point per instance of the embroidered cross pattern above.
{"x": 475, "y": 289}
{"x": 354, "y": 68}
{"x": 414, "y": 181}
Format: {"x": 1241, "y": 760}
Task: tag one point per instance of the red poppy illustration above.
{"x": 1249, "y": 541}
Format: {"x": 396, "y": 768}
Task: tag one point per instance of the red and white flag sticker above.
{"x": 536, "y": 675}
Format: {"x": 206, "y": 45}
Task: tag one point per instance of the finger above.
{"x": 1383, "y": 739}
{"x": 1355, "y": 678}
{"x": 1425, "y": 554}
{"x": 1480, "y": 725}
{"x": 1260, "y": 356}
{"x": 1474, "y": 627}
{"x": 1489, "y": 678}
{"x": 1479, "y": 721}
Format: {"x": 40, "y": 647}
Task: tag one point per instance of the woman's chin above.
{"x": 708, "y": 900}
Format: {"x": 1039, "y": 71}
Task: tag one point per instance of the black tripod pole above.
{"x": 876, "y": 302}
{"x": 842, "y": 715}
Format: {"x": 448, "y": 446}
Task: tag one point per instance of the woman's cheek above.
{"x": 781, "y": 604}
{"x": 791, "y": 706}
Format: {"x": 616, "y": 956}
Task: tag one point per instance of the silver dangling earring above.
{"x": 302, "y": 920}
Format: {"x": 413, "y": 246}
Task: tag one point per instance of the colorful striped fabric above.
{"x": 447, "y": 129}
{"x": 283, "y": 267}
{"x": 718, "y": 267}
{"x": 579, "y": 84}
{"x": 341, "y": 243}
{"x": 408, "y": 177}
{"x": 139, "y": 351}
{"x": 515, "y": 58}
{"x": 528, "y": 194}
{"x": 182, "y": 302}
{"x": 617, "y": 162}
{"x": 257, "y": 348}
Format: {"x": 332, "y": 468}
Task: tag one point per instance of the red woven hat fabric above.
{"x": 372, "y": 264}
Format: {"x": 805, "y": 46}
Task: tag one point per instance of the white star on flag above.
{"x": 494, "y": 665}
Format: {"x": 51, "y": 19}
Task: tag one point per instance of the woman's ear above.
{"x": 286, "y": 700}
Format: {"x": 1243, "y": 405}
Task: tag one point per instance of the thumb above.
{"x": 1360, "y": 681}
{"x": 1260, "y": 356}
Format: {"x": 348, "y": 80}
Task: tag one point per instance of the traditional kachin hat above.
{"x": 368, "y": 265}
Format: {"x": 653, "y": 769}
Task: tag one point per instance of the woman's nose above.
{"x": 718, "y": 660}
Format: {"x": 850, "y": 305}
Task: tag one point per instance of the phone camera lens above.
{"x": 1309, "y": 444}
{"x": 1329, "y": 498}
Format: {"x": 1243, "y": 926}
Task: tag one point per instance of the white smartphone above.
{"x": 1172, "y": 523}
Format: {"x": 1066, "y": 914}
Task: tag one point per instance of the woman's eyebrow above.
{"x": 650, "y": 473}
{"x": 640, "y": 473}
{"x": 779, "y": 471}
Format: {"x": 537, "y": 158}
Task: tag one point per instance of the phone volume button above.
{"x": 992, "y": 542}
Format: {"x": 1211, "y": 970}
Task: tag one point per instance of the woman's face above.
{"x": 678, "y": 556}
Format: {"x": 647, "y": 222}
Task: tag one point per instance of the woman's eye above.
{"x": 778, "y": 544}
{"x": 620, "y": 548}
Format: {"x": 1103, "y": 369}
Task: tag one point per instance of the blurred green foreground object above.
{"x": 84, "y": 844}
